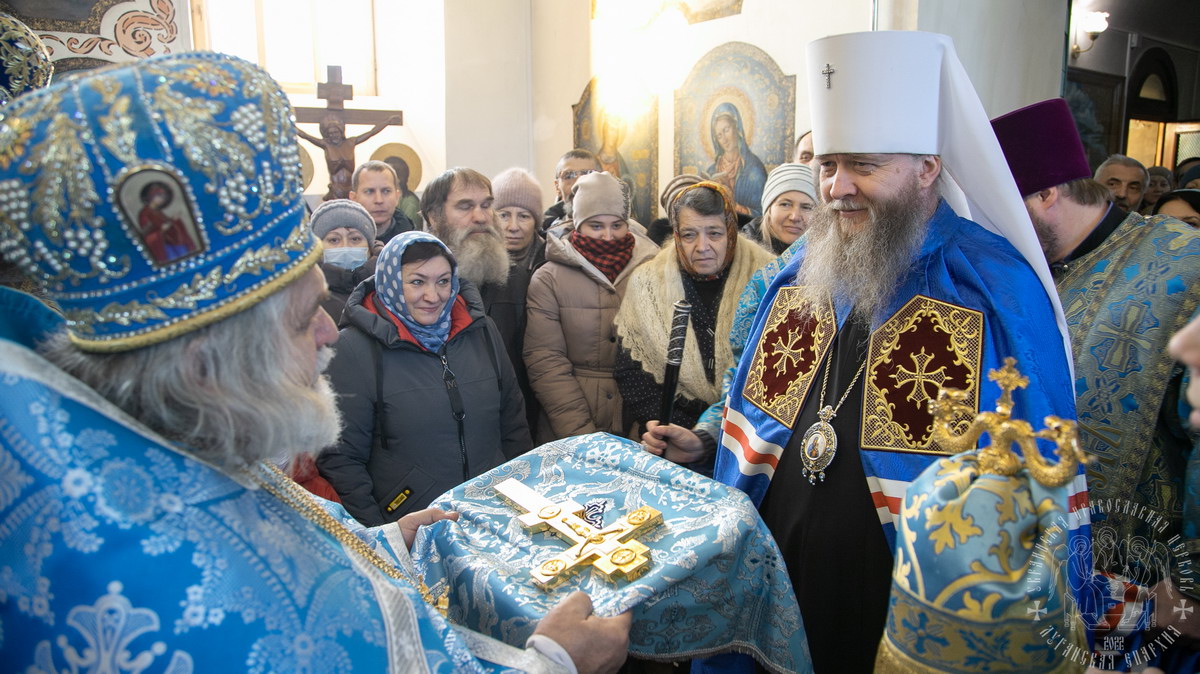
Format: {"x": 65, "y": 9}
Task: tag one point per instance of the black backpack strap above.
{"x": 377, "y": 353}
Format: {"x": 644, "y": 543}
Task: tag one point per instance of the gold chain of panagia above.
{"x": 825, "y": 382}
{"x": 286, "y": 490}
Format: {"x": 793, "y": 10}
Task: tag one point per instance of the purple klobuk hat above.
{"x": 1042, "y": 146}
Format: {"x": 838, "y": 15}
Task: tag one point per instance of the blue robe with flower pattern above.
{"x": 120, "y": 552}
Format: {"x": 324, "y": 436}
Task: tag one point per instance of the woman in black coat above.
{"x": 427, "y": 394}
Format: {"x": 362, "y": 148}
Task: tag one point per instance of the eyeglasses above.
{"x": 571, "y": 175}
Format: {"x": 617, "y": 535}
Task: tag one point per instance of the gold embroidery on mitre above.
{"x": 796, "y": 336}
{"x": 926, "y": 345}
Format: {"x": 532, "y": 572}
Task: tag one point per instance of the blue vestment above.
{"x": 1123, "y": 299}
{"x": 118, "y": 547}
{"x": 968, "y": 301}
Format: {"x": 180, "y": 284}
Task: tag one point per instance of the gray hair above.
{"x": 230, "y": 393}
{"x": 1122, "y": 160}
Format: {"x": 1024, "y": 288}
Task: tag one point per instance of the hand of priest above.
{"x": 673, "y": 443}
{"x": 415, "y": 520}
{"x": 595, "y": 644}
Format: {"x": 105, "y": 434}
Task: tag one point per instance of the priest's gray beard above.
{"x": 232, "y": 393}
{"x": 482, "y": 257}
{"x": 864, "y": 268}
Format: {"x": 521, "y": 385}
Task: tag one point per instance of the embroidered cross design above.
{"x": 612, "y": 550}
{"x": 828, "y": 73}
{"x": 921, "y": 377}
{"x": 789, "y": 354}
{"x": 1127, "y": 338}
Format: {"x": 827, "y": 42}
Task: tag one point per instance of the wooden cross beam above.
{"x": 336, "y": 93}
{"x": 611, "y": 550}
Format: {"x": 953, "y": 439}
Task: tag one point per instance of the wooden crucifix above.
{"x": 611, "y": 550}
{"x": 339, "y": 150}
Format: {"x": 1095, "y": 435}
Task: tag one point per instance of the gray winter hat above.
{"x": 342, "y": 213}
{"x": 788, "y": 178}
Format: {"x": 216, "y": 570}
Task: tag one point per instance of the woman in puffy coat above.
{"x": 570, "y": 346}
{"x": 427, "y": 394}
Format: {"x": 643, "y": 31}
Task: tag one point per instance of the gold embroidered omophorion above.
{"x": 795, "y": 340}
{"x": 926, "y": 345}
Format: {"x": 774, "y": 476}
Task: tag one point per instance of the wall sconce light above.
{"x": 1092, "y": 24}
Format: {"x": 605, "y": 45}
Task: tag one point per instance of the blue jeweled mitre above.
{"x": 156, "y": 198}
{"x": 24, "y": 61}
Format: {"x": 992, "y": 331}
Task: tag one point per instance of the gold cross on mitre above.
{"x": 611, "y": 550}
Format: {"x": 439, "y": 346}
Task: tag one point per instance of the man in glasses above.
{"x": 571, "y": 167}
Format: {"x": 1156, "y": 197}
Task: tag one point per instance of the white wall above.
{"x": 489, "y": 120}
{"x": 561, "y": 67}
{"x": 1012, "y": 49}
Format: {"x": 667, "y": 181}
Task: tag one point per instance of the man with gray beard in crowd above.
{"x": 457, "y": 207}
{"x": 892, "y": 295}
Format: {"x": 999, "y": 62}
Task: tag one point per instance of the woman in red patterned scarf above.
{"x": 570, "y": 346}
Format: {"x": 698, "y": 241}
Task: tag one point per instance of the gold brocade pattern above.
{"x": 1019, "y": 636}
{"x": 979, "y": 581}
{"x": 24, "y": 61}
{"x": 796, "y": 337}
{"x": 1122, "y": 303}
{"x": 193, "y": 321}
{"x": 926, "y": 345}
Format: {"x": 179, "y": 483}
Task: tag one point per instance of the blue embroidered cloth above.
{"x": 716, "y": 582}
{"x": 119, "y": 552}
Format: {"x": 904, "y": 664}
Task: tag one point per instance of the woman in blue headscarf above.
{"x": 427, "y": 394}
{"x": 736, "y": 166}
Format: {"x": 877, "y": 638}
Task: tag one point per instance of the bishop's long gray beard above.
{"x": 864, "y": 268}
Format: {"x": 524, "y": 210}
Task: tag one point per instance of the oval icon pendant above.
{"x": 820, "y": 446}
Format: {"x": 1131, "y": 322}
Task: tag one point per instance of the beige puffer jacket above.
{"x": 570, "y": 344}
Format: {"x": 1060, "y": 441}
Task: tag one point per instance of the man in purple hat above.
{"x": 1127, "y": 283}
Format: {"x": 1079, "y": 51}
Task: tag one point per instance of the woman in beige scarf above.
{"x": 707, "y": 263}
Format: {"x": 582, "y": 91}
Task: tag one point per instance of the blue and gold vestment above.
{"x": 120, "y": 552}
{"x": 1123, "y": 299}
{"x": 969, "y": 301}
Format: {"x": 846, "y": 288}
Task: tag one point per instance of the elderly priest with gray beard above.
{"x": 145, "y": 525}
{"x": 895, "y": 294}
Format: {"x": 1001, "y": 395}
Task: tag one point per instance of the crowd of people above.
{"x": 390, "y": 346}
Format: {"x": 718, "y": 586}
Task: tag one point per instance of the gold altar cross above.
{"x": 611, "y": 550}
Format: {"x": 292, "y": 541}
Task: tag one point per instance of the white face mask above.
{"x": 346, "y": 258}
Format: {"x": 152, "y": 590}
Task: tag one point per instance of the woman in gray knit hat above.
{"x": 518, "y": 206}
{"x": 788, "y": 198}
{"x": 347, "y": 232}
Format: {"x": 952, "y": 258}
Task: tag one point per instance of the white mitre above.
{"x": 906, "y": 92}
